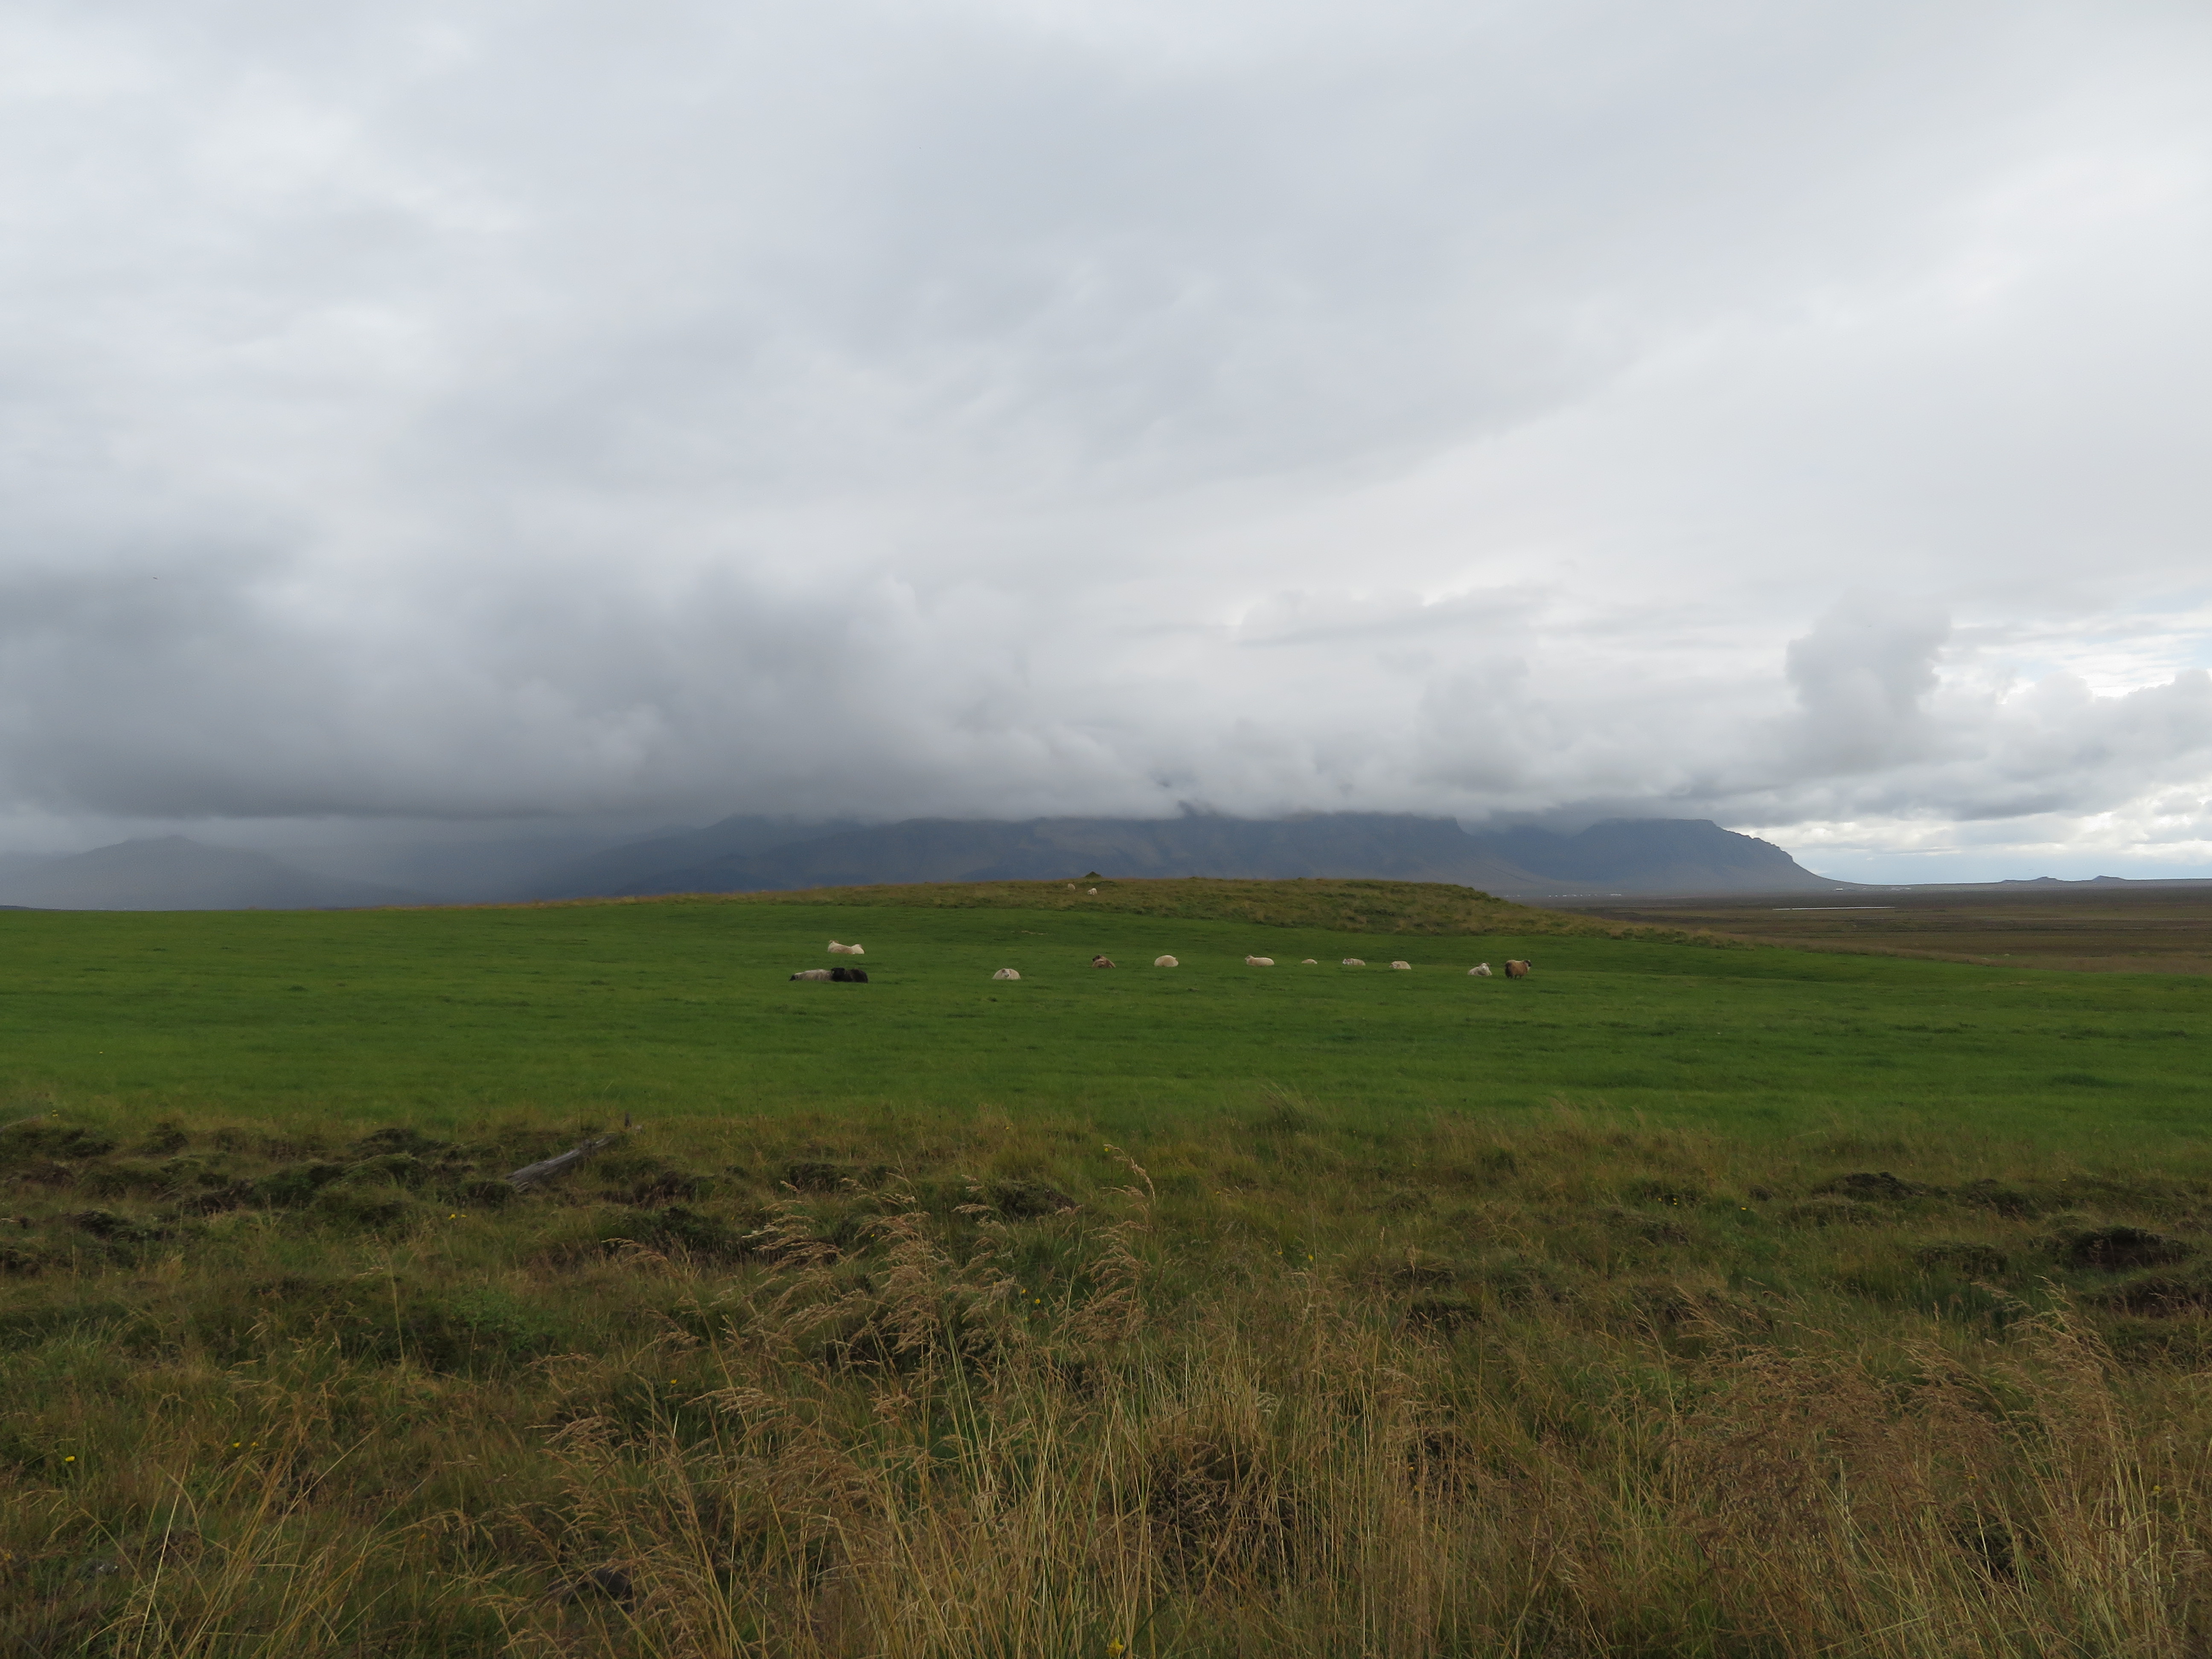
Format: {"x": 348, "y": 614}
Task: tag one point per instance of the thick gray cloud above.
{"x": 1792, "y": 415}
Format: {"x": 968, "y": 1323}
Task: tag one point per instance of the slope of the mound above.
{"x": 1352, "y": 907}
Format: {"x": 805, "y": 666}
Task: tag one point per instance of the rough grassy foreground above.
{"x": 928, "y": 1386}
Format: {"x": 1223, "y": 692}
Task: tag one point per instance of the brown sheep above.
{"x": 1515, "y": 968}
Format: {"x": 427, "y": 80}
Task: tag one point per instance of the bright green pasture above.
{"x": 438, "y": 1016}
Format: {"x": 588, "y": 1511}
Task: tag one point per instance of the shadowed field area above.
{"x": 2159, "y": 930}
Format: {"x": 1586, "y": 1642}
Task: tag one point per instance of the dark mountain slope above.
{"x": 944, "y": 849}
{"x": 1648, "y": 855}
{"x": 639, "y": 866}
{"x": 1655, "y": 855}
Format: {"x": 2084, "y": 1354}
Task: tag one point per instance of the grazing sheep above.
{"x": 812, "y": 973}
{"x": 1518, "y": 969}
{"x": 850, "y": 975}
{"x": 837, "y": 949}
{"x": 1258, "y": 962}
{"x": 1165, "y": 962}
{"x": 1353, "y": 962}
{"x": 1006, "y": 973}
{"x": 1102, "y": 961}
{"x": 1092, "y": 892}
{"x": 1480, "y": 971}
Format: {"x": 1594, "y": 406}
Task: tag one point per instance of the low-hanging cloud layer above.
{"x": 1792, "y": 415}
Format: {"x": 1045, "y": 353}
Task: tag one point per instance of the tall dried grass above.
{"x": 1278, "y": 1478}
{"x": 898, "y": 1427}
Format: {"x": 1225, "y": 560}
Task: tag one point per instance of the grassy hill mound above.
{"x": 1431, "y": 908}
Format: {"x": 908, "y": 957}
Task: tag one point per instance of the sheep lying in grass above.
{"x": 1007, "y": 973}
{"x": 1407, "y": 966}
{"x": 1165, "y": 962}
{"x": 1258, "y": 962}
{"x": 837, "y": 949}
{"x": 1353, "y": 962}
{"x": 1480, "y": 971}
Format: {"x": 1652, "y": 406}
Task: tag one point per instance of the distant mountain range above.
{"x": 1630, "y": 856}
{"x": 174, "y": 872}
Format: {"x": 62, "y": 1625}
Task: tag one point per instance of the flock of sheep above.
{"x": 1514, "y": 967}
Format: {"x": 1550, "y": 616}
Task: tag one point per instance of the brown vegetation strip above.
{"x": 924, "y": 1388}
{"x": 2165, "y": 930}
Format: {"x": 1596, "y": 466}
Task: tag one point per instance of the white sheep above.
{"x": 1165, "y": 962}
{"x": 812, "y": 973}
{"x": 1258, "y": 962}
{"x": 1480, "y": 971}
{"x": 1353, "y": 962}
{"x": 1007, "y": 973}
{"x": 1407, "y": 966}
{"x": 837, "y": 949}
{"x": 1309, "y": 963}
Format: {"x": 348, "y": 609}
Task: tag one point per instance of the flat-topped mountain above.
{"x": 1631, "y": 856}
{"x": 1638, "y": 855}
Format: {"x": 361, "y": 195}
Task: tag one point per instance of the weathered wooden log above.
{"x": 531, "y": 1174}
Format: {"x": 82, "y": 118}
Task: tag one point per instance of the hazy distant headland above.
{"x": 1649, "y": 855}
{"x": 746, "y": 854}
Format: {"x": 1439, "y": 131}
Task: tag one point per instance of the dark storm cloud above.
{"x": 510, "y": 409}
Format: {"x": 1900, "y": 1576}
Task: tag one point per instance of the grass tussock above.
{"x": 925, "y": 1387}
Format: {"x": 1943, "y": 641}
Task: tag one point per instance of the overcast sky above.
{"x": 1794, "y": 414}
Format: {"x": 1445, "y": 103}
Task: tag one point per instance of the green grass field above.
{"x": 437, "y": 1017}
{"x": 1690, "y": 1298}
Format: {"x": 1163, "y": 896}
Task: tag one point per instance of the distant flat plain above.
{"x": 2152, "y": 928}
